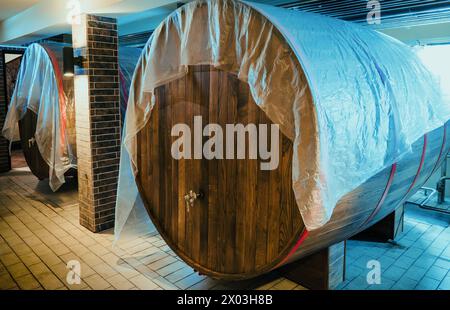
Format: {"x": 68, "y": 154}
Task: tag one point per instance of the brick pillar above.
{"x": 97, "y": 102}
{"x": 5, "y": 161}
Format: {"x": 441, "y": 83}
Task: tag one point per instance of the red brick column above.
{"x": 97, "y": 101}
{"x": 5, "y": 161}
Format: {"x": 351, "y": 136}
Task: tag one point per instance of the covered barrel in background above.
{"x": 43, "y": 107}
{"x": 65, "y": 103}
{"x": 42, "y": 114}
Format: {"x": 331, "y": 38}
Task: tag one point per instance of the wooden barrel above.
{"x": 247, "y": 222}
{"x": 27, "y": 128}
{"x": 27, "y": 125}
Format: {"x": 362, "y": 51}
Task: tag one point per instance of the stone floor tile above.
{"x": 41, "y": 249}
{"x": 284, "y": 285}
{"x": 443, "y": 263}
{"x": 358, "y": 283}
{"x": 96, "y": 282}
{"x": 413, "y": 252}
{"x": 189, "y": 281}
{"x": 445, "y": 284}
{"x": 143, "y": 283}
{"x": 437, "y": 273}
{"x": 49, "y": 281}
{"x": 22, "y": 249}
{"x": 162, "y": 263}
{"x": 268, "y": 285}
{"x": 153, "y": 258}
{"x": 104, "y": 270}
{"x": 175, "y": 266}
{"x": 180, "y": 274}
{"x": 126, "y": 270}
{"x": 427, "y": 283}
{"x": 209, "y": 283}
{"x": 120, "y": 282}
{"x": 6, "y": 282}
{"x": 111, "y": 259}
{"x": 30, "y": 259}
{"x": 425, "y": 260}
{"x": 393, "y": 273}
{"x": 386, "y": 284}
{"x": 50, "y": 259}
{"x": 5, "y": 249}
{"x": 405, "y": 284}
{"x": 404, "y": 261}
{"x": 38, "y": 269}
{"x": 9, "y": 259}
{"x": 91, "y": 259}
{"x": 59, "y": 249}
{"x": 28, "y": 282}
{"x": 99, "y": 250}
{"x": 419, "y": 259}
{"x": 163, "y": 283}
{"x": 18, "y": 270}
{"x": 415, "y": 273}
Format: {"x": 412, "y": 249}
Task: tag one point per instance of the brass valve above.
{"x": 190, "y": 198}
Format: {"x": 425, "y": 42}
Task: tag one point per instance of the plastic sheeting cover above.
{"x": 131, "y": 219}
{"x": 128, "y": 58}
{"x": 372, "y": 97}
{"x": 39, "y": 88}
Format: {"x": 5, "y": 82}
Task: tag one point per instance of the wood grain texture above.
{"x": 248, "y": 220}
{"x": 229, "y": 229}
{"x": 27, "y": 125}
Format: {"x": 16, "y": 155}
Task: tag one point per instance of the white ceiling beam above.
{"x": 49, "y": 17}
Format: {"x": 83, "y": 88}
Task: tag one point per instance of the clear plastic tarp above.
{"x": 131, "y": 218}
{"x": 351, "y": 99}
{"x": 128, "y": 58}
{"x": 41, "y": 88}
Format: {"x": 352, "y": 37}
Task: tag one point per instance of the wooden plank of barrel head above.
{"x": 247, "y": 221}
{"x": 221, "y": 230}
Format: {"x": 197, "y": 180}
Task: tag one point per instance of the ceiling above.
{"x": 9, "y": 8}
{"x": 412, "y": 21}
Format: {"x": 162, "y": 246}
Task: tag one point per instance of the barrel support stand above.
{"x": 386, "y": 229}
{"x": 324, "y": 270}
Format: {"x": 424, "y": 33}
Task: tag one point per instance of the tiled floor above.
{"x": 418, "y": 259}
{"x": 40, "y": 234}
